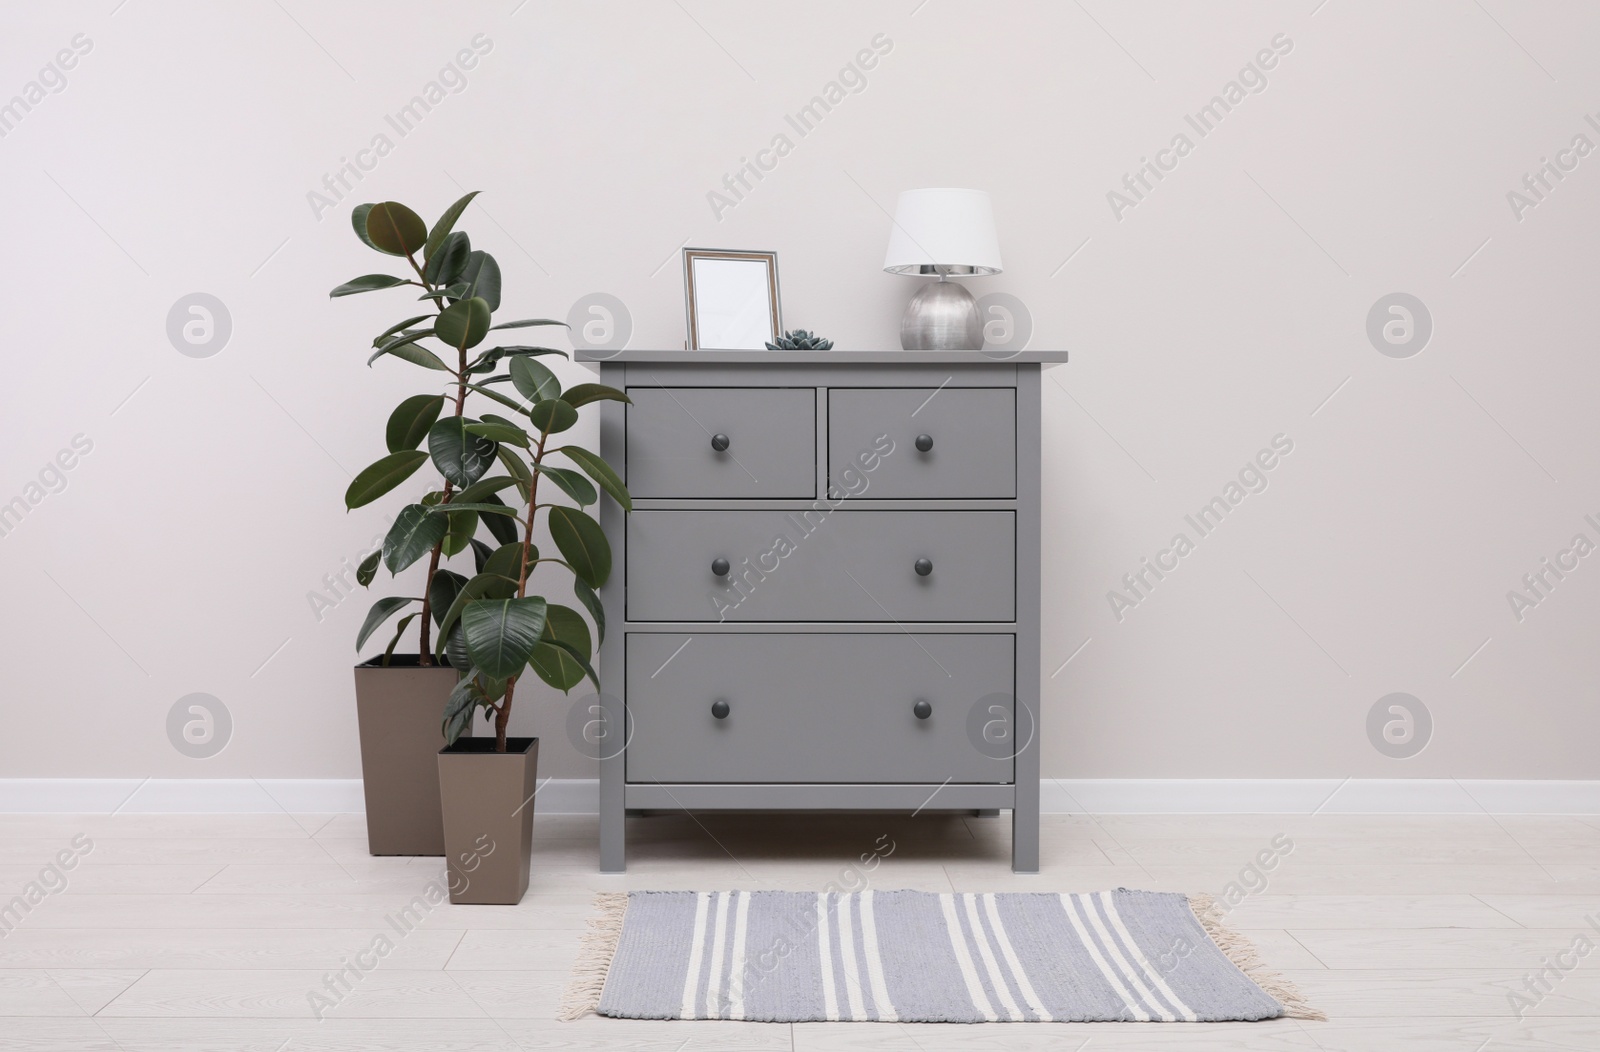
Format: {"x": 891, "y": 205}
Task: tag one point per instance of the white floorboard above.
{"x": 187, "y": 932}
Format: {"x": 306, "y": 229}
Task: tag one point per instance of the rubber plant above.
{"x": 487, "y": 625}
{"x": 496, "y": 628}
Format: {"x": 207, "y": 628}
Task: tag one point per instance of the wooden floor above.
{"x": 189, "y": 932}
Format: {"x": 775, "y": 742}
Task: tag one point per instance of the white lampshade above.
{"x": 943, "y": 228}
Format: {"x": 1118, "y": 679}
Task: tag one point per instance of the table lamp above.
{"x": 949, "y": 233}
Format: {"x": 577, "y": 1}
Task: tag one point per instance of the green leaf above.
{"x": 520, "y": 351}
{"x": 358, "y": 219}
{"x": 591, "y": 603}
{"x": 460, "y": 456}
{"x": 414, "y": 533}
{"x": 484, "y": 488}
{"x": 381, "y": 611}
{"x": 508, "y": 433}
{"x": 445, "y": 267}
{"x": 583, "y": 394}
{"x": 555, "y": 665}
{"x": 399, "y": 630}
{"x": 534, "y": 380}
{"x": 481, "y": 275}
{"x": 503, "y": 527}
{"x": 507, "y": 560}
{"x": 518, "y": 469}
{"x": 410, "y": 352}
{"x": 368, "y": 568}
{"x": 446, "y": 223}
{"x": 453, "y": 646}
{"x": 501, "y": 633}
{"x": 581, "y": 659}
{"x": 366, "y": 283}
{"x": 442, "y": 592}
{"x": 395, "y": 229}
{"x": 383, "y": 336}
{"x": 601, "y": 472}
{"x": 463, "y": 524}
{"x": 408, "y": 424}
{"x": 583, "y": 543}
{"x": 480, "y": 554}
{"x": 405, "y": 346}
{"x": 572, "y": 483}
{"x": 498, "y": 397}
{"x": 460, "y": 707}
{"x": 483, "y": 508}
{"x": 383, "y": 475}
{"x": 483, "y": 586}
{"x": 552, "y": 415}
{"x": 464, "y": 322}
{"x": 526, "y": 322}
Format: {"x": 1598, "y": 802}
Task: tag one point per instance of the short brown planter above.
{"x": 487, "y": 799}
{"x": 400, "y": 712}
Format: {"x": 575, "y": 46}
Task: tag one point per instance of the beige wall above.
{"x": 1221, "y": 310}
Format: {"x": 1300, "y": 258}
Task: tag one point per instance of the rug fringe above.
{"x": 1242, "y": 952}
{"x": 597, "y": 947}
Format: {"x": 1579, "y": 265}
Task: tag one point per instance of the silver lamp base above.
{"x": 942, "y": 316}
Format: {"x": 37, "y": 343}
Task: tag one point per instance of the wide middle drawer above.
{"x": 815, "y": 565}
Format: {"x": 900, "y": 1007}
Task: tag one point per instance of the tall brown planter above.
{"x": 487, "y": 800}
{"x": 400, "y": 710}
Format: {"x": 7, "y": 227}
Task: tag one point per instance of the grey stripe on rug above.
{"x": 912, "y": 956}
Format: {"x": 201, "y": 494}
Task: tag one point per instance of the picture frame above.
{"x": 731, "y": 299}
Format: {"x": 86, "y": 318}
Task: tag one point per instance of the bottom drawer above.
{"x": 819, "y": 708}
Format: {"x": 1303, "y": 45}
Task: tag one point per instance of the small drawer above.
{"x": 818, "y": 708}
{"x": 971, "y": 433}
{"x": 813, "y": 564}
{"x": 674, "y": 434}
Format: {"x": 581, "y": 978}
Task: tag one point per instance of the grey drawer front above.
{"x": 815, "y": 708}
{"x": 818, "y": 566}
{"x": 772, "y": 442}
{"x": 974, "y": 432}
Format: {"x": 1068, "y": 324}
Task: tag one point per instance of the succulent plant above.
{"x": 800, "y": 340}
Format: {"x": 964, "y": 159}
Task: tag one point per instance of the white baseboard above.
{"x": 1058, "y": 796}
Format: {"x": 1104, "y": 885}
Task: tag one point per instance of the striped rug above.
{"x": 911, "y": 956}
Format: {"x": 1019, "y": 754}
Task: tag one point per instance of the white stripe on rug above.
{"x": 847, "y": 954}
{"x": 691, "y": 982}
{"x": 1001, "y": 988}
{"x": 991, "y": 908}
{"x": 1068, "y": 904}
{"x": 1144, "y": 962}
{"x": 869, "y": 942}
{"x": 958, "y": 943}
{"x": 714, "y": 980}
{"x": 1128, "y": 970}
{"x": 830, "y": 1000}
{"x": 741, "y": 929}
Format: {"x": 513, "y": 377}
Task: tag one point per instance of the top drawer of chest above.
{"x": 710, "y": 443}
{"x": 970, "y": 435}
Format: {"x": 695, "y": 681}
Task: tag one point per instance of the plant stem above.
{"x": 425, "y": 632}
{"x": 503, "y": 713}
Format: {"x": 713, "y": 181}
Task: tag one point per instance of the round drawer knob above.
{"x": 720, "y": 443}
{"x": 719, "y": 709}
{"x": 924, "y": 567}
{"x": 924, "y": 443}
{"x": 922, "y": 710}
{"x": 719, "y": 566}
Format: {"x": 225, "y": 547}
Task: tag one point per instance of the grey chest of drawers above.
{"x": 827, "y": 594}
